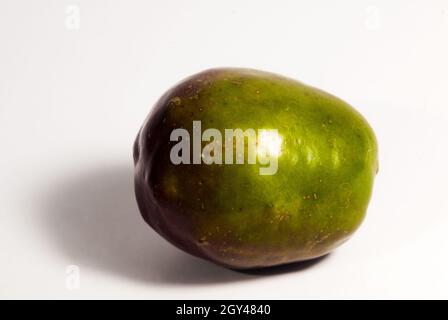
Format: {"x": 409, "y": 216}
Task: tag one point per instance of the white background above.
{"x": 74, "y": 92}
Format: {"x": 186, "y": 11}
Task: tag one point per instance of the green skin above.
{"x": 232, "y": 215}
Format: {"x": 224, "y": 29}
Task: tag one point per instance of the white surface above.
{"x": 72, "y": 100}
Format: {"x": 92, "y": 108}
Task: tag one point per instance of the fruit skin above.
{"x": 232, "y": 215}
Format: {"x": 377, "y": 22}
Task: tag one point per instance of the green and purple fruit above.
{"x": 232, "y": 214}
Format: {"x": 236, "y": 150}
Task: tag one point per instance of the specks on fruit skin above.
{"x": 228, "y": 214}
{"x": 176, "y": 101}
{"x": 203, "y": 241}
{"x": 236, "y": 82}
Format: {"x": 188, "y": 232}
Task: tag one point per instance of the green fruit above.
{"x": 230, "y": 213}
